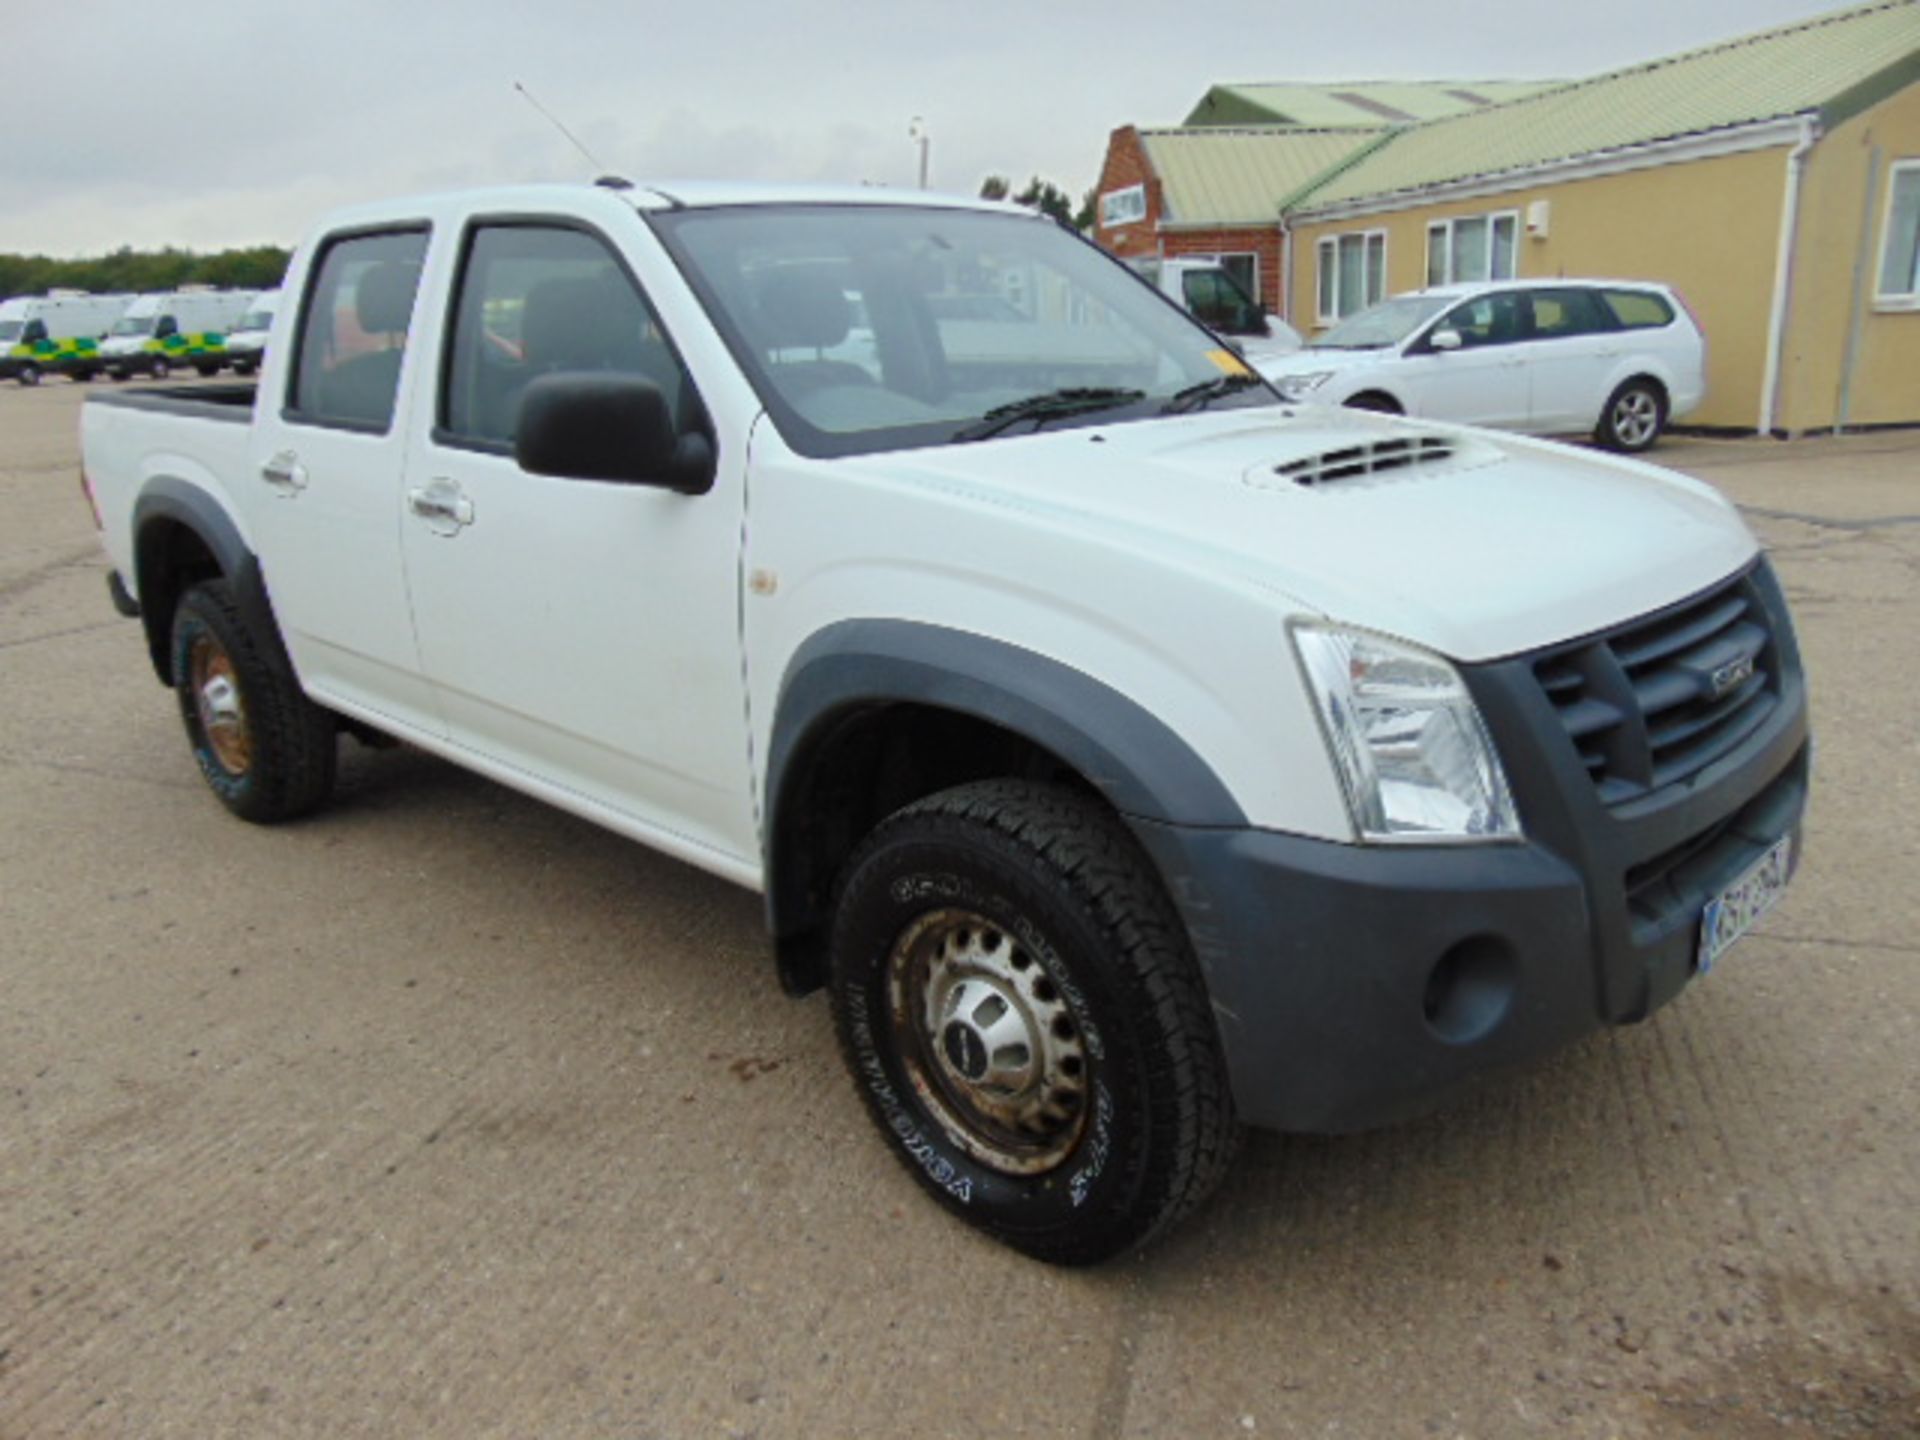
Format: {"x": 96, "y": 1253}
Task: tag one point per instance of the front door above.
{"x": 1485, "y": 380}
{"x": 581, "y": 633}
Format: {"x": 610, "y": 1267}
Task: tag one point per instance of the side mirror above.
{"x": 582, "y": 426}
{"x": 1444, "y": 340}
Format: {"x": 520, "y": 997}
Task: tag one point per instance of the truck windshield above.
{"x": 10, "y": 330}
{"x": 867, "y": 328}
{"x": 1387, "y": 323}
{"x": 133, "y": 325}
{"x": 254, "y": 320}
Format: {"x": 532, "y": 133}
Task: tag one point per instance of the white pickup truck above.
{"x": 1130, "y": 755}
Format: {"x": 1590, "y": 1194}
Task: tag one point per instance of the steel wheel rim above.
{"x": 1634, "y": 417}
{"x": 216, "y": 700}
{"x": 989, "y": 1041}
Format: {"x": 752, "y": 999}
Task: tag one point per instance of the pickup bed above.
{"x": 1131, "y": 755}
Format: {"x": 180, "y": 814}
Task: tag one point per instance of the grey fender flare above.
{"x": 168, "y": 498}
{"x": 1128, "y": 754}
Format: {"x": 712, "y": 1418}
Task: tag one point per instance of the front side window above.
{"x": 36, "y": 332}
{"x": 542, "y": 300}
{"x": 1352, "y": 273}
{"x": 353, "y": 330}
{"x": 1473, "y": 249}
{"x": 1216, "y": 300}
{"x": 1900, "y": 247}
{"x": 1497, "y": 319}
{"x": 867, "y": 328}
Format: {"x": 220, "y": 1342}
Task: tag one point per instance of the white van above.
{"x": 56, "y": 331}
{"x": 1208, "y": 291}
{"x": 180, "y": 327}
{"x": 247, "y": 340}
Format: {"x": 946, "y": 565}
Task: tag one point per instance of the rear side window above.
{"x": 1639, "y": 309}
{"x": 1561, "y": 314}
{"x": 538, "y": 300}
{"x": 353, "y": 330}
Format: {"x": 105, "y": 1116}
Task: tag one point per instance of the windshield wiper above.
{"x": 1198, "y": 397}
{"x": 1052, "y": 405}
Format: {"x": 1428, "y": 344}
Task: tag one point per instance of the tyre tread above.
{"x": 1084, "y": 845}
{"x": 296, "y": 744}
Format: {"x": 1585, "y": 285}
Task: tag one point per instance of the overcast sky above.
{"x": 209, "y": 124}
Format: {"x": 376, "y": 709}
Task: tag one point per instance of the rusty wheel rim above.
{"x": 216, "y": 698}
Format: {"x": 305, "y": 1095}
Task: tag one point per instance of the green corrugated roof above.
{"x": 1214, "y": 175}
{"x": 1832, "y": 66}
{"x": 1354, "y": 102}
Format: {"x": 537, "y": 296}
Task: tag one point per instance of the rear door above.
{"x": 324, "y": 480}
{"x": 582, "y": 633}
{"x": 1572, "y": 356}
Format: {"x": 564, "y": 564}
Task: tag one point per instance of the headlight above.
{"x": 1298, "y": 387}
{"x": 1413, "y": 754}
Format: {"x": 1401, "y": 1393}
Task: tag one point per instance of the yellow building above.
{"x": 1773, "y": 179}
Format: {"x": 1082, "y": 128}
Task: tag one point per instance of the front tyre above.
{"x": 29, "y": 374}
{"x": 264, "y": 748}
{"x": 1015, "y": 997}
{"x": 1636, "y": 413}
{"x": 159, "y": 367}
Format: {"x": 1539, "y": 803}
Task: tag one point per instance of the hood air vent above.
{"x": 1374, "y": 457}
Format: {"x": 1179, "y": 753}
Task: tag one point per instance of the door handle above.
{"x": 442, "y": 506}
{"x": 285, "y": 473}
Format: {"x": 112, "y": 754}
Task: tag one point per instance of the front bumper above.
{"x": 1355, "y": 985}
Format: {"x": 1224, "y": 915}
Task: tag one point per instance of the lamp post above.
{"x": 918, "y": 133}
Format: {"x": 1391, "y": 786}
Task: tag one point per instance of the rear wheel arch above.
{"x": 875, "y": 715}
{"x": 183, "y": 536}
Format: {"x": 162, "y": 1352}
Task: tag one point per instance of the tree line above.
{"x": 1046, "y": 197}
{"x": 257, "y": 267}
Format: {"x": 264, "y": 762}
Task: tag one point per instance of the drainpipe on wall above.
{"x": 1286, "y": 272}
{"x": 1783, "y": 275}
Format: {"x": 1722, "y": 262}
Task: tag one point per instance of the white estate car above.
{"x": 1617, "y": 359}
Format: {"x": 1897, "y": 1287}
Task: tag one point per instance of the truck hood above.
{"x": 1483, "y": 546}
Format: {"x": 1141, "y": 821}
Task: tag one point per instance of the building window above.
{"x": 1123, "y": 207}
{"x": 1900, "y": 243}
{"x": 1473, "y": 248}
{"x": 1353, "y": 273}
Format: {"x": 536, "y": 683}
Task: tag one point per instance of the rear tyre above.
{"x": 265, "y": 750}
{"x": 29, "y": 374}
{"x": 1636, "y": 413}
{"x": 1376, "y": 401}
{"x": 82, "y": 376}
{"x": 207, "y": 371}
{"x": 1015, "y": 997}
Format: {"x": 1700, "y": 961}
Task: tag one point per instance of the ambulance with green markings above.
{"x": 58, "y": 332}
{"x": 162, "y": 332}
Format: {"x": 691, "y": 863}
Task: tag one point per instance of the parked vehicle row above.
{"x": 1128, "y": 753}
{"x": 79, "y": 335}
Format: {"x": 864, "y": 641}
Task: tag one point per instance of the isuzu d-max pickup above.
{"x": 1130, "y": 754}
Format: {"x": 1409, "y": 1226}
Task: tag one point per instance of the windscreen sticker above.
{"x": 1229, "y": 362}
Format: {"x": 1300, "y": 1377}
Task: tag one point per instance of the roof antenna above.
{"x": 612, "y": 182}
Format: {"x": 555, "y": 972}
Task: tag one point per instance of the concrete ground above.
{"x": 444, "y": 1114}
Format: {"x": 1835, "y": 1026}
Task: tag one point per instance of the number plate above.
{"x": 1738, "y": 908}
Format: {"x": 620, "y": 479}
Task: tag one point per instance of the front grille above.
{"x": 1658, "y": 700}
{"x": 1368, "y": 458}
